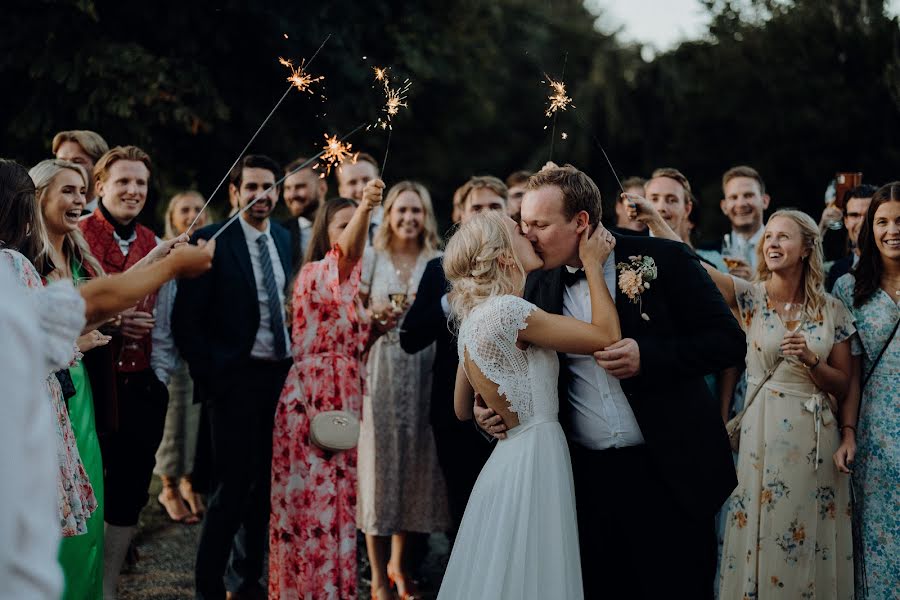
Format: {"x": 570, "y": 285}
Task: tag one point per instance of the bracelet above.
{"x": 814, "y": 365}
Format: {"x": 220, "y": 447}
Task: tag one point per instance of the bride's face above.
{"x": 522, "y": 247}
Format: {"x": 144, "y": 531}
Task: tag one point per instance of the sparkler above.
{"x": 299, "y": 78}
{"x": 394, "y": 100}
{"x": 559, "y": 100}
{"x": 294, "y": 84}
{"x": 336, "y": 147}
{"x": 334, "y": 154}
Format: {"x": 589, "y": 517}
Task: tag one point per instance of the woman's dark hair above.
{"x": 318, "y": 243}
{"x": 868, "y": 271}
{"x": 20, "y": 223}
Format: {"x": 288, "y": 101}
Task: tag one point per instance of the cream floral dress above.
{"x": 788, "y": 532}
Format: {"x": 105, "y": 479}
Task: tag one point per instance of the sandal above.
{"x": 173, "y": 505}
{"x": 406, "y": 588}
{"x": 193, "y": 499}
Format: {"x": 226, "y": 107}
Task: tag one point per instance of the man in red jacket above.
{"x": 121, "y": 179}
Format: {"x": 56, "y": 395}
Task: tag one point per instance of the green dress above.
{"x": 81, "y": 556}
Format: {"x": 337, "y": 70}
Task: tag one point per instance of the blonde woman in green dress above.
{"x": 60, "y": 187}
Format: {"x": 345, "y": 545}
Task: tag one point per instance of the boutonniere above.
{"x": 635, "y": 277}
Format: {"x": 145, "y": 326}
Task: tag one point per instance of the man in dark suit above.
{"x": 650, "y": 457}
{"x": 304, "y": 191}
{"x": 229, "y": 326}
{"x": 461, "y": 448}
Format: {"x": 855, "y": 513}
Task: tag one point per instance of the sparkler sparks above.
{"x": 559, "y": 100}
{"x": 334, "y": 153}
{"x": 299, "y": 78}
{"x": 394, "y": 100}
{"x": 380, "y": 73}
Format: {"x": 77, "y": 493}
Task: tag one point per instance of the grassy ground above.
{"x": 165, "y": 569}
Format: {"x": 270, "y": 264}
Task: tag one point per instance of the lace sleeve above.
{"x": 490, "y": 337}
{"x": 61, "y": 310}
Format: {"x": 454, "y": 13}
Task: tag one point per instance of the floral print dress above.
{"x": 876, "y": 472}
{"x": 788, "y": 530}
{"x": 312, "y": 530}
{"x": 75, "y": 496}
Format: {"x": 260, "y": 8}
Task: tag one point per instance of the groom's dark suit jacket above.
{"x": 691, "y": 332}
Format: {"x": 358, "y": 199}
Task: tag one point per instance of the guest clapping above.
{"x": 870, "y": 418}
{"x": 312, "y": 533}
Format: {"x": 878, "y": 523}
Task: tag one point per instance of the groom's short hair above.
{"x": 579, "y": 191}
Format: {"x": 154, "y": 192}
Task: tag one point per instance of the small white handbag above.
{"x": 334, "y": 430}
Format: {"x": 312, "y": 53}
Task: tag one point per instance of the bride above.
{"x": 518, "y": 538}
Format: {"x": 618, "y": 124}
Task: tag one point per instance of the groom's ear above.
{"x": 582, "y": 221}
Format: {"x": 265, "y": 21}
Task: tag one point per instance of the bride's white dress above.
{"x": 519, "y": 536}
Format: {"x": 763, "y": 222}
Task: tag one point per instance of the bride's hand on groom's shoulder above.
{"x": 595, "y": 246}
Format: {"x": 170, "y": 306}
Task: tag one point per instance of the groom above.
{"x": 650, "y": 457}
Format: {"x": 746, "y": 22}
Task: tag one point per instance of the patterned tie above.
{"x": 276, "y": 321}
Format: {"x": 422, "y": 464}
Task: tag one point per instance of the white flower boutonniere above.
{"x": 635, "y": 277}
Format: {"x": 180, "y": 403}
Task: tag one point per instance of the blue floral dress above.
{"x": 788, "y": 531}
{"x": 876, "y": 473}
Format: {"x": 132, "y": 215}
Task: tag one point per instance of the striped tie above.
{"x": 276, "y": 321}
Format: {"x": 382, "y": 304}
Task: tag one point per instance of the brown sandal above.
{"x": 174, "y": 506}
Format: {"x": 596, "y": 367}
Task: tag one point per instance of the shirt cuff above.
{"x": 445, "y": 305}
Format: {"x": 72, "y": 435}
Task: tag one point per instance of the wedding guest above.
{"x": 312, "y": 535}
{"x": 854, "y": 215}
{"x": 788, "y": 527}
{"x": 22, "y": 241}
{"x": 460, "y": 448}
{"x": 229, "y": 327}
{"x": 515, "y": 184}
{"x": 670, "y": 193}
{"x": 352, "y": 177}
{"x": 744, "y": 203}
{"x": 82, "y": 147}
{"x": 401, "y": 488}
{"x": 60, "y": 194}
{"x": 870, "y": 425}
{"x": 175, "y": 455}
{"x": 121, "y": 178}
{"x": 304, "y": 192}
{"x": 631, "y": 185}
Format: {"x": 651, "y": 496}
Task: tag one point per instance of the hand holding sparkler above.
{"x": 373, "y": 193}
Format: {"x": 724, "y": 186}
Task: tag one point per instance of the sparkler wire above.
{"x": 302, "y": 166}
{"x": 260, "y": 128}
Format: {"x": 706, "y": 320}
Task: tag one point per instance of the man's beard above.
{"x": 310, "y": 210}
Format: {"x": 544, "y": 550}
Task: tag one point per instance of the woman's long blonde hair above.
{"x": 173, "y": 203}
{"x": 74, "y": 244}
{"x": 813, "y": 265}
{"x": 473, "y": 266}
{"x": 429, "y": 239}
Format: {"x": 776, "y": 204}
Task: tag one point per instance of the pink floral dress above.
{"x": 75, "y": 496}
{"x": 312, "y": 530}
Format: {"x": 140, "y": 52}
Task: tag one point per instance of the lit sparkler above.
{"x": 559, "y": 100}
{"x": 380, "y": 73}
{"x": 299, "y": 78}
{"x": 334, "y": 153}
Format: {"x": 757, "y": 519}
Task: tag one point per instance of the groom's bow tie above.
{"x": 570, "y": 277}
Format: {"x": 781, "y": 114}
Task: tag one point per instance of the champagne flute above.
{"x": 830, "y": 200}
{"x": 793, "y": 321}
{"x": 130, "y": 346}
{"x": 730, "y": 253}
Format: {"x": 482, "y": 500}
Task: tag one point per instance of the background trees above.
{"x": 798, "y": 89}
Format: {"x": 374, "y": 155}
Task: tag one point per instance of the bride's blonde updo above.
{"x": 473, "y": 266}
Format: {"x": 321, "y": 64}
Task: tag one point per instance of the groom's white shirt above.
{"x": 601, "y": 415}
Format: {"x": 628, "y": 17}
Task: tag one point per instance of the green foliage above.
{"x": 799, "y": 90}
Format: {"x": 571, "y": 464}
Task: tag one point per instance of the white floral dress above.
{"x": 788, "y": 530}
{"x": 59, "y": 308}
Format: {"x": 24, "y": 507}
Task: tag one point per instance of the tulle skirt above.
{"x": 519, "y": 536}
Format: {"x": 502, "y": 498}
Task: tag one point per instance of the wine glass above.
{"x": 830, "y": 200}
{"x": 130, "y": 346}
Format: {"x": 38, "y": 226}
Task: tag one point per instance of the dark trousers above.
{"x": 241, "y": 413}
{"x": 462, "y": 452}
{"x": 129, "y": 453}
{"x": 636, "y": 541}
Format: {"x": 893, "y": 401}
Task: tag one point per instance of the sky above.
{"x": 661, "y": 24}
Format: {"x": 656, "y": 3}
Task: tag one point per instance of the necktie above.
{"x": 276, "y": 321}
{"x": 570, "y": 278}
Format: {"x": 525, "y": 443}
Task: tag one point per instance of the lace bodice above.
{"x": 526, "y": 378}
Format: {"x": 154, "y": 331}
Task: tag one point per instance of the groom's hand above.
{"x": 621, "y": 360}
{"x": 488, "y": 420}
